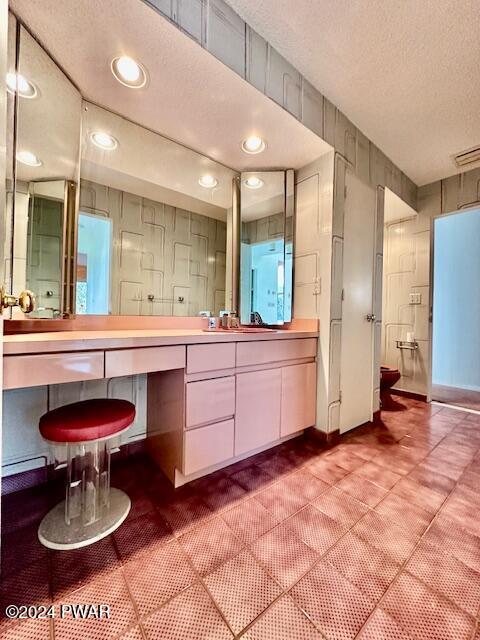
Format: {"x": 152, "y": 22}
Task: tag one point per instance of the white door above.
{"x": 356, "y": 373}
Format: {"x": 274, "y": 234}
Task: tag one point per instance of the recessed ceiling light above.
{"x": 17, "y": 82}
{"x": 29, "y": 158}
{"x": 253, "y": 182}
{"x": 208, "y": 182}
{"x": 253, "y": 144}
{"x": 104, "y": 140}
{"x": 129, "y": 72}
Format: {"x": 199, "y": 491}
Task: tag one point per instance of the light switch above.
{"x": 415, "y": 298}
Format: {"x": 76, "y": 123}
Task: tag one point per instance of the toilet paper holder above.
{"x": 406, "y": 344}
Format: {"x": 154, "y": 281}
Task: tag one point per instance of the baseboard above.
{"x": 409, "y": 394}
{"x": 322, "y": 438}
{"x": 34, "y": 477}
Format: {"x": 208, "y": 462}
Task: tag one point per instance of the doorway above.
{"x": 456, "y": 310}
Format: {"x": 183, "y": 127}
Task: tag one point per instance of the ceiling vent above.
{"x": 467, "y": 157}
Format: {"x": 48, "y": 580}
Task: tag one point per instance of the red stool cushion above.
{"x": 87, "y": 420}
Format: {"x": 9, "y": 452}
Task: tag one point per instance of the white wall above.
{"x": 313, "y": 263}
{"x": 456, "y": 301}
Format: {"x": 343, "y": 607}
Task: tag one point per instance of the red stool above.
{"x": 84, "y": 434}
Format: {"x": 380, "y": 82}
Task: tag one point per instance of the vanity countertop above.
{"x": 58, "y": 341}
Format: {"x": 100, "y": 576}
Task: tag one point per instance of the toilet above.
{"x": 388, "y": 377}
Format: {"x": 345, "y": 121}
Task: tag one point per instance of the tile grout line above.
{"x": 402, "y": 567}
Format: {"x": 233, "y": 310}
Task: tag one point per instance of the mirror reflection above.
{"x": 152, "y": 223}
{"x": 46, "y": 108}
{"x": 266, "y": 247}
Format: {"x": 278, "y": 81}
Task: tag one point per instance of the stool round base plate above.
{"x": 55, "y": 533}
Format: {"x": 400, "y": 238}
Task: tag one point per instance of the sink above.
{"x": 242, "y": 330}
{"x": 253, "y": 330}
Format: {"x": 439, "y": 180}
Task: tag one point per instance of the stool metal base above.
{"x": 55, "y": 533}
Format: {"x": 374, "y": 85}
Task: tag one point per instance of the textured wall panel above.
{"x": 307, "y": 286}
{"x": 346, "y": 138}
{"x": 284, "y": 83}
{"x": 164, "y": 6}
{"x": 339, "y": 195}
{"x": 362, "y": 164}
{"x": 190, "y": 17}
{"x": 256, "y": 60}
{"x": 308, "y": 214}
{"x": 312, "y": 108}
{"x": 22, "y": 409}
{"x": 313, "y": 263}
{"x": 329, "y": 121}
{"x": 335, "y": 361}
{"x": 23, "y": 446}
{"x": 166, "y": 261}
{"x": 337, "y": 279}
{"x": 226, "y": 35}
{"x": 461, "y": 191}
{"x": 406, "y": 270}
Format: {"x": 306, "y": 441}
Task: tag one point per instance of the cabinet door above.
{"x": 298, "y": 397}
{"x": 257, "y": 418}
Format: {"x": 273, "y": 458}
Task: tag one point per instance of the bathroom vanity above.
{"x": 212, "y": 398}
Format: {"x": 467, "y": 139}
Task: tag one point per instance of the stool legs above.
{"x": 91, "y": 509}
{"x": 88, "y": 481}
{"x": 73, "y": 494}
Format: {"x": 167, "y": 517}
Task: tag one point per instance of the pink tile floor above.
{"x": 375, "y": 538}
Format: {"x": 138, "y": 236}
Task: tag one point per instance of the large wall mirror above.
{"x": 152, "y": 223}
{"x": 44, "y": 111}
{"x": 266, "y": 261}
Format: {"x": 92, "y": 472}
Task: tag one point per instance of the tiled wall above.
{"x": 24, "y": 449}
{"x": 407, "y": 271}
{"x": 217, "y": 28}
{"x": 176, "y": 256}
{"x": 268, "y": 228}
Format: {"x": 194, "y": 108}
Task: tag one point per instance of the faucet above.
{"x": 256, "y": 318}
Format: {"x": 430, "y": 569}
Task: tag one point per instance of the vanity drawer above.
{"x": 51, "y": 368}
{"x": 209, "y": 401}
{"x": 266, "y": 351}
{"x": 210, "y": 357}
{"x": 126, "y": 362}
{"x": 208, "y": 446}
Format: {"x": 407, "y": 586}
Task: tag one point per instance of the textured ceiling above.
{"x": 191, "y": 97}
{"x": 406, "y": 72}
